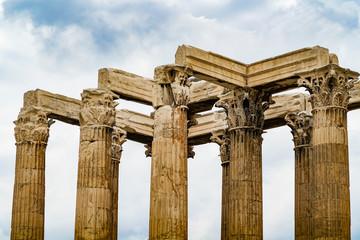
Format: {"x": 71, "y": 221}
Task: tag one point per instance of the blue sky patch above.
{"x": 42, "y": 12}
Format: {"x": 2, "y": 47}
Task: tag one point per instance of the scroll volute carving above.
{"x": 328, "y": 86}
{"x": 32, "y": 125}
{"x": 223, "y": 140}
{"x": 172, "y": 85}
{"x": 118, "y": 137}
{"x": 97, "y": 107}
{"x": 301, "y": 127}
{"x": 245, "y": 107}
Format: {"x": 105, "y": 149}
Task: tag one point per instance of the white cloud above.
{"x": 1, "y": 7}
{"x": 286, "y": 3}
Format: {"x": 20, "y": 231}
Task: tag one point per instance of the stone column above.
{"x": 245, "y": 110}
{"x": 329, "y": 88}
{"x": 118, "y": 138}
{"x": 168, "y": 195}
{"x": 31, "y": 134}
{"x": 224, "y": 142}
{"x": 301, "y": 128}
{"x": 94, "y": 213}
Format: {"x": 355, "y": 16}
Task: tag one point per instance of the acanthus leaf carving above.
{"x": 32, "y": 125}
{"x": 97, "y": 107}
{"x": 245, "y": 107}
{"x": 301, "y": 127}
{"x": 118, "y": 137}
{"x": 172, "y": 85}
{"x": 328, "y": 86}
{"x": 223, "y": 140}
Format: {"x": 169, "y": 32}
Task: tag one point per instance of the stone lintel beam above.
{"x": 273, "y": 74}
{"x": 284, "y": 104}
{"x": 128, "y": 85}
{"x": 203, "y": 96}
{"x": 212, "y": 67}
{"x": 60, "y": 107}
{"x": 279, "y": 73}
{"x": 139, "y": 127}
{"x": 206, "y": 124}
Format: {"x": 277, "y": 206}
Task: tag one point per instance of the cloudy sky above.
{"x": 58, "y": 46}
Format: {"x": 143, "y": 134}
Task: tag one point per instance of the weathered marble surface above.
{"x": 179, "y": 93}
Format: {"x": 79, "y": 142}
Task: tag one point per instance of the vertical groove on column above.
{"x": 94, "y": 199}
{"x": 301, "y": 125}
{"x": 245, "y": 184}
{"x": 29, "y": 192}
{"x": 94, "y": 212}
{"x": 331, "y": 196}
{"x": 168, "y": 197}
{"x": 225, "y": 202}
{"x": 115, "y": 193}
{"x": 31, "y": 133}
{"x": 302, "y": 193}
{"x": 245, "y": 116}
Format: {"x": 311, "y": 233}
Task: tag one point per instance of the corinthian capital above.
{"x": 245, "y": 107}
{"x": 172, "y": 85}
{"x": 301, "y": 127}
{"x": 97, "y": 107}
{"x": 32, "y": 125}
{"x": 329, "y": 85}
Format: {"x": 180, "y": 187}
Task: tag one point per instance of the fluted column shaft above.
{"x": 329, "y": 87}
{"x": 245, "y": 196}
{"x": 168, "y": 198}
{"x": 331, "y": 195}
{"x": 224, "y": 142}
{"x": 245, "y": 110}
{"x": 169, "y": 192}
{"x": 118, "y": 138}
{"x": 31, "y": 133}
{"x": 303, "y": 158}
{"x": 225, "y": 201}
{"x": 301, "y": 125}
{"x": 94, "y": 213}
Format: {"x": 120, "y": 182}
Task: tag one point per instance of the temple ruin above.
{"x": 180, "y": 94}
